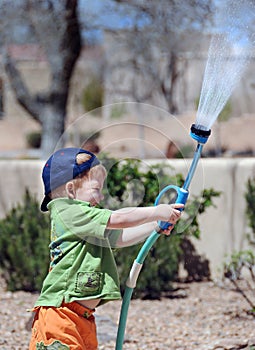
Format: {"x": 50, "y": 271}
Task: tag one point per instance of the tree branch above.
{"x": 58, "y": 31}
{"x": 20, "y": 90}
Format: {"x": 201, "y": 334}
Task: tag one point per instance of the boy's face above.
{"x": 91, "y": 189}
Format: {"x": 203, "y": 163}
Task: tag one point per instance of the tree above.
{"x": 55, "y": 27}
{"x": 159, "y": 35}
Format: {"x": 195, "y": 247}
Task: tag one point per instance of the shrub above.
{"x": 24, "y": 239}
{"x": 235, "y": 270}
{"x": 92, "y": 97}
{"x": 250, "y": 208}
{"x": 34, "y": 139}
{"x": 117, "y": 110}
{"x": 161, "y": 266}
{"x": 239, "y": 267}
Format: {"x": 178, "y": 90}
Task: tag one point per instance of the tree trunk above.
{"x": 53, "y": 127}
{"x": 57, "y": 30}
{"x": 173, "y": 108}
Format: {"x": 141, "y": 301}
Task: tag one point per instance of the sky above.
{"x": 102, "y": 12}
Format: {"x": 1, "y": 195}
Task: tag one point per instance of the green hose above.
{"x": 130, "y": 285}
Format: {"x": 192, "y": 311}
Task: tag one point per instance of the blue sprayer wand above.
{"x": 198, "y": 133}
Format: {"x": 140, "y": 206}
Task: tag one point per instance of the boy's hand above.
{"x": 168, "y": 231}
{"x": 170, "y": 213}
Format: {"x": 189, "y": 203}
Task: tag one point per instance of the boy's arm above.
{"x": 130, "y": 217}
{"x": 134, "y": 235}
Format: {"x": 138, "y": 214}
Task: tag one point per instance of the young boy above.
{"x": 83, "y": 273}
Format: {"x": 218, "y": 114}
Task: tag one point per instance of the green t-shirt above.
{"x": 82, "y": 264}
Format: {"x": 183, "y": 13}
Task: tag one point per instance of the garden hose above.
{"x": 201, "y": 136}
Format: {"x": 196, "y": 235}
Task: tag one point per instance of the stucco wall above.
{"x": 223, "y": 227}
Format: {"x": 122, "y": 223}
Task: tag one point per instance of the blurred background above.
{"x": 123, "y": 79}
{"x": 81, "y": 72}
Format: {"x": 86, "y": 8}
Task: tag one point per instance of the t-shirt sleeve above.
{"x": 113, "y": 236}
{"x": 90, "y": 222}
{"x": 80, "y": 219}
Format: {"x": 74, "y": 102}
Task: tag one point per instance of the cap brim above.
{"x": 45, "y": 202}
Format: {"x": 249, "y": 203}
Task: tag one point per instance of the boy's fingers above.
{"x": 178, "y": 205}
{"x": 177, "y": 213}
{"x": 168, "y": 231}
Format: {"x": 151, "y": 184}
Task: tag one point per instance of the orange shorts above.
{"x": 69, "y": 327}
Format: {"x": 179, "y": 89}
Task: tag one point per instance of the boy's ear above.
{"x": 70, "y": 190}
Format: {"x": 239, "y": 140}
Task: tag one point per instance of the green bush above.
{"x": 92, "y": 97}
{"x": 117, "y": 110}
{"x": 34, "y": 139}
{"x": 250, "y": 208}
{"x": 239, "y": 267}
{"x": 161, "y": 266}
{"x": 24, "y": 239}
{"x": 127, "y": 177}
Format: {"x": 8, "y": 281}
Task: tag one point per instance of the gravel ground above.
{"x": 200, "y": 316}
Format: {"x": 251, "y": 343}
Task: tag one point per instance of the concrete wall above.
{"x": 223, "y": 227}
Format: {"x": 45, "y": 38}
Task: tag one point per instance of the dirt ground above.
{"x": 201, "y": 316}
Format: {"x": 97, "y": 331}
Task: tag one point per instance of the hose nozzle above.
{"x": 198, "y": 133}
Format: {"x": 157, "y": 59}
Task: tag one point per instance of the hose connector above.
{"x": 198, "y": 133}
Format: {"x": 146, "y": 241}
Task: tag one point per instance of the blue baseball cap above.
{"x": 62, "y": 167}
